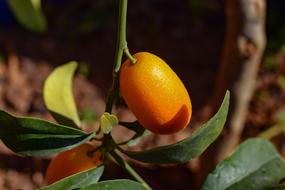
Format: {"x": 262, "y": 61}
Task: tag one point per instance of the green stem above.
{"x": 113, "y": 93}
{"x": 271, "y": 132}
{"x": 134, "y": 126}
{"x": 121, "y": 40}
{"x": 129, "y": 169}
{"x": 121, "y": 48}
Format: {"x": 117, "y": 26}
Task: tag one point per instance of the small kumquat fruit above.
{"x": 71, "y": 162}
{"x": 155, "y": 94}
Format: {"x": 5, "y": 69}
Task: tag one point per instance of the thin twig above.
{"x": 129, "y": 169}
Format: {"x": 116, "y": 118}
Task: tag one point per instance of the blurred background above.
{"x": 211, "y": 45}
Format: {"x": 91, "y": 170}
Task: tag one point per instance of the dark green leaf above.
{"x": 278, "y": 188}
{"x": 35, "y": 137}
{"x": 78, "y": 180}
{"x": 58, "y": 95}
{"x": 254, "y": 165}
{"x": 29, "y": 14}
{"x": 118, "y": 184}
{"x": 190, "y": 147}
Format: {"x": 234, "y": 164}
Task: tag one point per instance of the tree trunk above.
{"x": 243, "y": 50}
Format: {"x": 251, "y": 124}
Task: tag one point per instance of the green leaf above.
{"x": 58, "y": 95}
{"x": 35, "y": 137}
{"x": 190, "y": 147}
{"x": 117, "y": 184}
{"x": 255, "y": 164}
{"x": 29, "y": 14}
{"x": 78, "y": 180}
{"x": 107, "y": 122}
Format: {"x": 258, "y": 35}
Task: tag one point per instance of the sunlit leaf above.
{"x": 29, "y": 14}
{"x": 58, "y": 95}
{"x": 255, "y": 164}
{"x": 35, "y": 137}
{"x": 190, "y": 147}
{"x": 78, "y": 180}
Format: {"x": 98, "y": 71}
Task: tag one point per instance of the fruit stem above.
{"x": 115, "y": 154}
{"x": 129, "y": 55}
